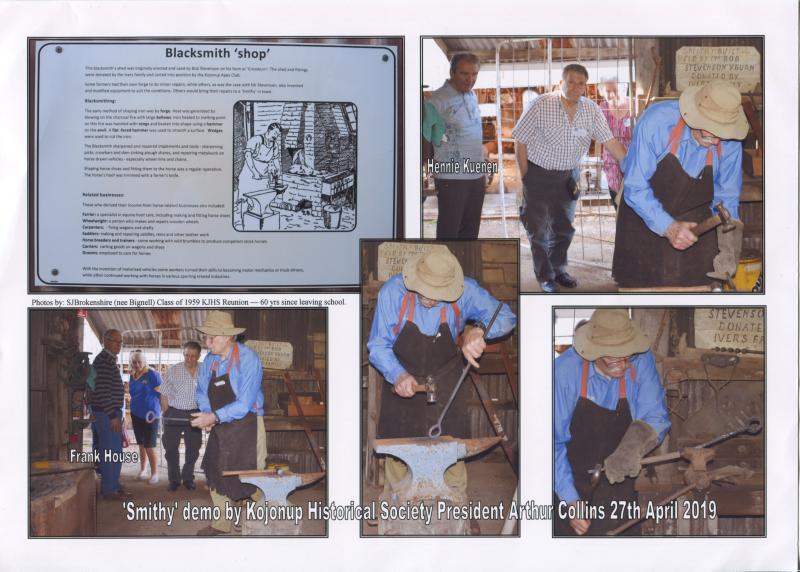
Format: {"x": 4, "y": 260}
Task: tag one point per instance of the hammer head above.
{"x": 430, "y": 390}
{"x": 725, "y": 218}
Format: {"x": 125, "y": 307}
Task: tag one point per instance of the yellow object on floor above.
{"x": 748, "y": 272}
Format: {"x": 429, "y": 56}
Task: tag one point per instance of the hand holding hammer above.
{"x": 683, "y": 234}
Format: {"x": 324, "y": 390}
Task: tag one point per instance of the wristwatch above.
{"x": 216, "y": 417}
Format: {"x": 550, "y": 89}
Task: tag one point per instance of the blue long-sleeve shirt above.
{"x": 646, "y": 399}
{"x": 650, "y": 144}
{"x": 475, "y": 304}
{"x": 245, "y": 382}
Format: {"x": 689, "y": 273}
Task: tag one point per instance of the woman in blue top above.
{"x": 145, "y": 411}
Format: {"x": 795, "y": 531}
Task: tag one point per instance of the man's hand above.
{"x": 616, "y": 149}
{"x": 404, "y": 385}
{"x": 680, "y": 235}
{"x": 164, "y": 403}
{"x": 579, "y": 525}
{"x": 473, "y": 345}
{"x": 115, "y": 424}
{"x": 203, "y": 420}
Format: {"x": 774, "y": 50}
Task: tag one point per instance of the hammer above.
{"x": 722, "y": 218}
{"x": 428, "y": 387}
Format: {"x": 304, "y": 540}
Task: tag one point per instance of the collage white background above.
{"x": 343, "y": 549}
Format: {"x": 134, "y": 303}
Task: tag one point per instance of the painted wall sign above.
{"x": 393, "y": 255}
{"x": 697, "y": 65}
{"x": 274, "y": 355}
{"x": 729, "y": 328}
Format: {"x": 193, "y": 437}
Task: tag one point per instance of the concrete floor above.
{"x": 490, "y": 480}
{"x": 113, "y": 516}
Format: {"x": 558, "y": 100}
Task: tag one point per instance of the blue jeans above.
{"x": 547, "y": 212}
{"x": 108, "y": 441}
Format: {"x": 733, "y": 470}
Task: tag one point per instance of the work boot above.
{"x": 548, "y": 287}
{"x": 567, "y": 281}
{"x": 173, "y": 486}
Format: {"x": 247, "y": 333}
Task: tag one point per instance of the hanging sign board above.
{"x": 393, "y": 255}
{"x": 698, "y": 65}
{"x": 197, "y": 164}
{"x": 729, "y": 328}
{"x": 274, "y": 355}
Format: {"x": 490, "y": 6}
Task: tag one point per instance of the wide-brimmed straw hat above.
{"x": 436, "y": 274}
{"x": 219, "y": 323}
{"x": 715, "y": 107}
{"x": 609, "y": 333}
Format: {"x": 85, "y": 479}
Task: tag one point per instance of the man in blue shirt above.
{"x": 610, "y": 410}
{"x": 683, "y": 159}
{"x": 419, "y": 316}
{"x": 231, "y": 404}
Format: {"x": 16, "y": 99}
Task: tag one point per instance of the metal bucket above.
{"x": 748, "y": 274}
{"x": 332, "y": 216}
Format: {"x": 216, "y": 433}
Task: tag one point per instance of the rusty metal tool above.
{"x": 751, "y": 427}
{"x": 697, "y": 477}
{"x": 436, "y": 429}
{"x": 304, "y": 422}
{"x": 494, "y": 418}
{"x": 723, "y": 217}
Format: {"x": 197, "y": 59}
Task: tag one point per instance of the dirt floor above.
{"x": 490, "y": 480}
{"x": 592, "y": 247}
{"x": 113, "y": 517}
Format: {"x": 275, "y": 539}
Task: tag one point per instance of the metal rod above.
{"x": 436, "y": 429}
{"x": 501, "y": 186}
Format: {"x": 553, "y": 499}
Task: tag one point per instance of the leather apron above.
{"x": 642, "y": 259}
{"x": 231, "y": 446}
{"x": 595, "y": 433}
{"x": 437, "y": 357}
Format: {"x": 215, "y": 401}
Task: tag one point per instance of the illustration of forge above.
{"x": 294, "y": 166}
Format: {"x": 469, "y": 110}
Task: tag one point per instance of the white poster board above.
{"x": 210, "y": 164}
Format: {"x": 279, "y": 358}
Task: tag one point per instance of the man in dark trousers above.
{"x": 108, "y": 400}
{"x": 419, "y": 316}
{"x": 178, "y": 402}
{"x": 550, "y": 140}
{"x": 684, "y": 158}
{"x": 610, "y": 410}
{"x": 231, "y": 404}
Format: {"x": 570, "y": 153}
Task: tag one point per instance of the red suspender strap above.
{"x": 442, "y": 315}
{"x": 675, "y": 135}
{"x": 623, "y": 394}
{"x": 457, "y": 314}
{"x": 584, "y": 378}
{"x": 403, "y": 307}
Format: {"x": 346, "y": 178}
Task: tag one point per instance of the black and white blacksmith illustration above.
{"x": 294, "y": 166}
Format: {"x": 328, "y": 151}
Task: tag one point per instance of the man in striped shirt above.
{"x": 178, "y": 403}
{"x": 551, "y": 138}
{"x": 108, "y": 399}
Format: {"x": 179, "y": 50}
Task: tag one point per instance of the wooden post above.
{"x": 374, "y": 380}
